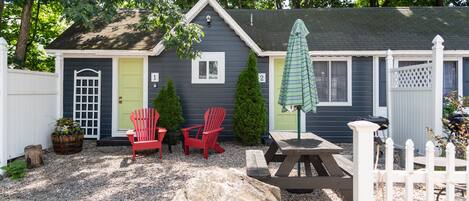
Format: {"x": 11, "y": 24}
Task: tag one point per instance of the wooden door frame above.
{"x": 115, "y": 91}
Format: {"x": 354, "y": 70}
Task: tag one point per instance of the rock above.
{"x": 230, "y": 185}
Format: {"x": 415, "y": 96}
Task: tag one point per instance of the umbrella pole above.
{"x": 298, "y": 119}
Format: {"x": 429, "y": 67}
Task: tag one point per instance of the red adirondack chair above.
{"x": 207, "y": 134}
{"x": 144, "y": 121}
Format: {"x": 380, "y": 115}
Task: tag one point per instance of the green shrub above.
{"x": 250, "y": 117}
{"x": 16, "y": 169}
{"x": 169, "y": 107}
{"x": 454, "y": 131}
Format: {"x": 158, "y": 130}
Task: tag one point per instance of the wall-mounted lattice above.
{"x": 87, "y": 95}
{"x": 417, "y": 76}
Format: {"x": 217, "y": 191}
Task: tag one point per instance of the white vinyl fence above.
{"x": 415, "y": 99}
{"x": 363, "y": 188}
{"x": 411, "y": 91}
{"x": 28, "y": 108}
{"x": 415, "y": 102}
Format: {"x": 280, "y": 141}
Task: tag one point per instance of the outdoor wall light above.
{"x": 209, "y": 20}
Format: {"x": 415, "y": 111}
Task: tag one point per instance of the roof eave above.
{"x": 101, "y": 52}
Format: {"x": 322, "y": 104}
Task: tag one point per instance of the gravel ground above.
{"x": 108, "y": 173}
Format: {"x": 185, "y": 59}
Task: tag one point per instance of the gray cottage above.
{"x": 110, "y": 71}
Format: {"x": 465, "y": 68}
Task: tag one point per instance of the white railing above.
{"x": 428, "y": 176}
{"x": 28, "y": 108}
{"x": 363, "y": 188}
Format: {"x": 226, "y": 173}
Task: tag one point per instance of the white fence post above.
{"x": 430, "y": 168}
{"x": 59, "y": 63}
{"x": 437, "y": 83}
{"x": 3, "y": 102}
{"x": 389, "y": 66}
{"x": 409, "y": 168}
{"x": 450, "y": 160}
{"x": 362, "y": 159}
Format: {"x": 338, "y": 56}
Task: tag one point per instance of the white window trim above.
{"x": 209, "y": 56}
{"x": 459, "y": 65}
{"x": 349, "y": 80}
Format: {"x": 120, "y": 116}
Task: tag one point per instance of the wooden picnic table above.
{"x": 334, "y": 171}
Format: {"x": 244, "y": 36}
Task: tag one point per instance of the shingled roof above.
{"x": 359, "y": 28}
{"x": 121, "y": 34}
{"x": 331, "y": 29}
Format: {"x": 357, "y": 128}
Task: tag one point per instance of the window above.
{"x": 333, "y": 81}
{"x": 209, "y": 68}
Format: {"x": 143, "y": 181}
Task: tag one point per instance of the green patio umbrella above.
{"x": 298, "y": 89}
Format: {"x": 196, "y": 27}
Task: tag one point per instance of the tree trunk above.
{"x": 22, "y": 43}
{"x": 34, "y": 156}
{"x": 278, "y": 4}
{"x": 2, "y": 6}
{"x": 373, "y": 3}
{"x": 439, "y": 3}
{"x": 36, "y": 20}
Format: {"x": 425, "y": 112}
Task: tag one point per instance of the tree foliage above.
{"x": 168, "y": 105}
{"x": 237, "y": 4}
{"x": 46, "y": 25}
{"x": 250, "y": 116}
{"x": 320, "y": 3}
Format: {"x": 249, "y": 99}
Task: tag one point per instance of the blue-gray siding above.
{"x": 105, "y": 66}
{"x": 331, "y": 122}
{"x": 196, "y": 98}
{"x": 465, "y": 77}
{"x": 382, "y": 83}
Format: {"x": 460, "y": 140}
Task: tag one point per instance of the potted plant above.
{"x": 168, "y": 105}
{"x": 67, "y": 137}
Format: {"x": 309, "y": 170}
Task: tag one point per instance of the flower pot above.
{"x": 172, "y": 138}
{"x": 67, "y": 144}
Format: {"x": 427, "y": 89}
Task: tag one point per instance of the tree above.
{"x": 249, "y": 117}
{"x": 2, "y": 6}
{"x": 396, "y": 3}
{"x": 23, "y": 36}
{"x": 320, "y": 3}
{"x": 46, "y": 24}
{"x": 168, "y": 105}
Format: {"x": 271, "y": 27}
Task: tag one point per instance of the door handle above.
{"x": 120, "y": 99}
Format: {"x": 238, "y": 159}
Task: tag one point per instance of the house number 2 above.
{"x": 262, "y": 77}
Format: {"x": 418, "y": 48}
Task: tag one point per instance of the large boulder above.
{"x": 228, "y": 185}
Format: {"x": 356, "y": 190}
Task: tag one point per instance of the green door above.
{"x": 130, "y": 89}
{"x": 283, "y": 120}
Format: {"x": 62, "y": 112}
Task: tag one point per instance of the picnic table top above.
{"x": 309, "y": 144}
{"x": 439, "y": 161}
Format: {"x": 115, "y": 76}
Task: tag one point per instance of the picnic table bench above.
{"x": 334, "y": 171}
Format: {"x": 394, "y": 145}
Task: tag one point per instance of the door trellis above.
{"x": 87, "y": 101}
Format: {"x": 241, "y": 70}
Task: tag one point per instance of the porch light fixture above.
{"x": 209, "y": 20}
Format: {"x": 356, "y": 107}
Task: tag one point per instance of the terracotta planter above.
{"x": 67, "y": 144}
